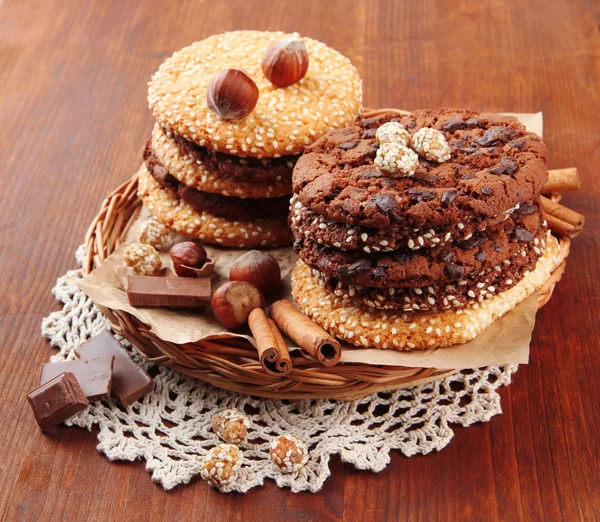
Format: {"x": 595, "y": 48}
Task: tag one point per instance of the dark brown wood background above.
{"x": 73, "y": 119}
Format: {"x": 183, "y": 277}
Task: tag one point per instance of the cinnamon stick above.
{"x": 272, "y": 349}
{"x": 562, "y": 220}
{"x": 562, "y": 180}
{"x": 309, "y": 336}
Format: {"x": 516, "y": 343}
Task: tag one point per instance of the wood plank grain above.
{"x": 74, "y": 119}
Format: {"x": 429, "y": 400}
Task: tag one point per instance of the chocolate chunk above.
{"x": 421, "y": 195}
{"x": 411, "y": 124}
{"x": 492, "y": 150}
{"x": 506, "y": 166}
{"x": 496, "y": 135}
{"x": 173, "y": 292}
{"x": 379, "y": 274}
{"x": 469, "y": 150}
{"x": 130, "y": 382}
{"x": 473, "y": 122}
{"x": 403, "y": 256}
{"x": 448, "y": 197}
{"x": 368, "y": 122}
{"x": 524, "y": 236}
{"x": 519, "y": 143}
{"x": 468, "y": 176}
{"x": 481, "y": 256}
{"x": 487, "y": 191}
{"x": 472, "y": 242}
{"x": 56, "y": 400}
{"x": 385, "y": 203}
{"x": 496, "y": 247}
{"x": 453, "y": 271}
{"x": 94, "y": 375}
{"x": 525, "y": 209}
{"x": 457, "y": 144}
{"x": 348, "y": 145}
{"x": 454, "y": 125}
{"x": 346, "y": 132}
{"x": 368, "y": 134}
{"x": 362, "y": 265}
{"x": 446, "y": 255}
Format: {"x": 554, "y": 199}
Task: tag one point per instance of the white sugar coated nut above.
{"x": 396, "y": 160}
{"x": 288, "y": 453}
{"x": 222, "y": 465}
{"x": 393, "y": 132}
{"x": 231, "y": 426}
{"x": 431, "y": 144}
{"x": 153, "y": 233}
{"x": 144, "y": 259}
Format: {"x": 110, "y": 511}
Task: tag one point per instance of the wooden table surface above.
{"x": 73, "y": 120}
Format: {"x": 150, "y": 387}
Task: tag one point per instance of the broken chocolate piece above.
{"x": 454, "y": 125}
{"x": 93, "y": 375}
{"x": 130, "y": 382}
{"x": 172, "y": 292}
{"x": 487, "y": 191}
{"x": 525, "y": 209}
{"x": 56, "y": 400}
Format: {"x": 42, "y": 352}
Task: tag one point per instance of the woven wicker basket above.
{"x": 233, "y": 364}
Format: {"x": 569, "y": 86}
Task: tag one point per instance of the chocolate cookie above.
{"x": 495, "y": 165}
{"x": 307, "y": 223}
{"x": 370, "y": 328}
{"x": 476, "y": 287}
{"x": 427, "y": 266}
{"x": 224, "y": 206}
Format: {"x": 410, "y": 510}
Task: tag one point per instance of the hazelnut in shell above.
{"x": 259, "y": 268}
{"x": 285, "y": 62}
{"x": 231, "y": 94}
{"x": 233, "y": 302}
{"x": 187, "y": 257}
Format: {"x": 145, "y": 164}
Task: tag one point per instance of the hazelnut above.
{"x": 285, "y": 62}
{"x": 233, "y": 302}
{"x": 259, "y": 268}
{"x": 186, "y": 257}
{"x": 231, "y": 94}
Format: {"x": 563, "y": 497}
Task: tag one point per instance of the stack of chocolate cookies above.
{"x": 221, "y": 172}
{"x": 427, "y": 242}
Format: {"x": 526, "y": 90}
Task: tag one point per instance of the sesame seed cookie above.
{"x": 368, "y": 327}
{"x": 284, "y": 121}
{"x": 495, "y": 165}
{"x": 429, "y": 266}
{"x": 323, "y": 231}
{"x": 210, "y": 171}
{"x": 478, "y": 286}
{"x": 223, "y": 206}
{"x": 182, "y": 218}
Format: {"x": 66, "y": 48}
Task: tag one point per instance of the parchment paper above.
{"x": 505, "y": 341}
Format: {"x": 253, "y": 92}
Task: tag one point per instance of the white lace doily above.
{"x": 171, "y": 428}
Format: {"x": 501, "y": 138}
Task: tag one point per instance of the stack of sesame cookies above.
{"x": 229, "y": 130}
{"x": 418, "y": 230}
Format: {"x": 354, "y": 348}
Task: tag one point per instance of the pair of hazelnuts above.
{"x": 251, "y": 277}
{"x": 232, "y": 94}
